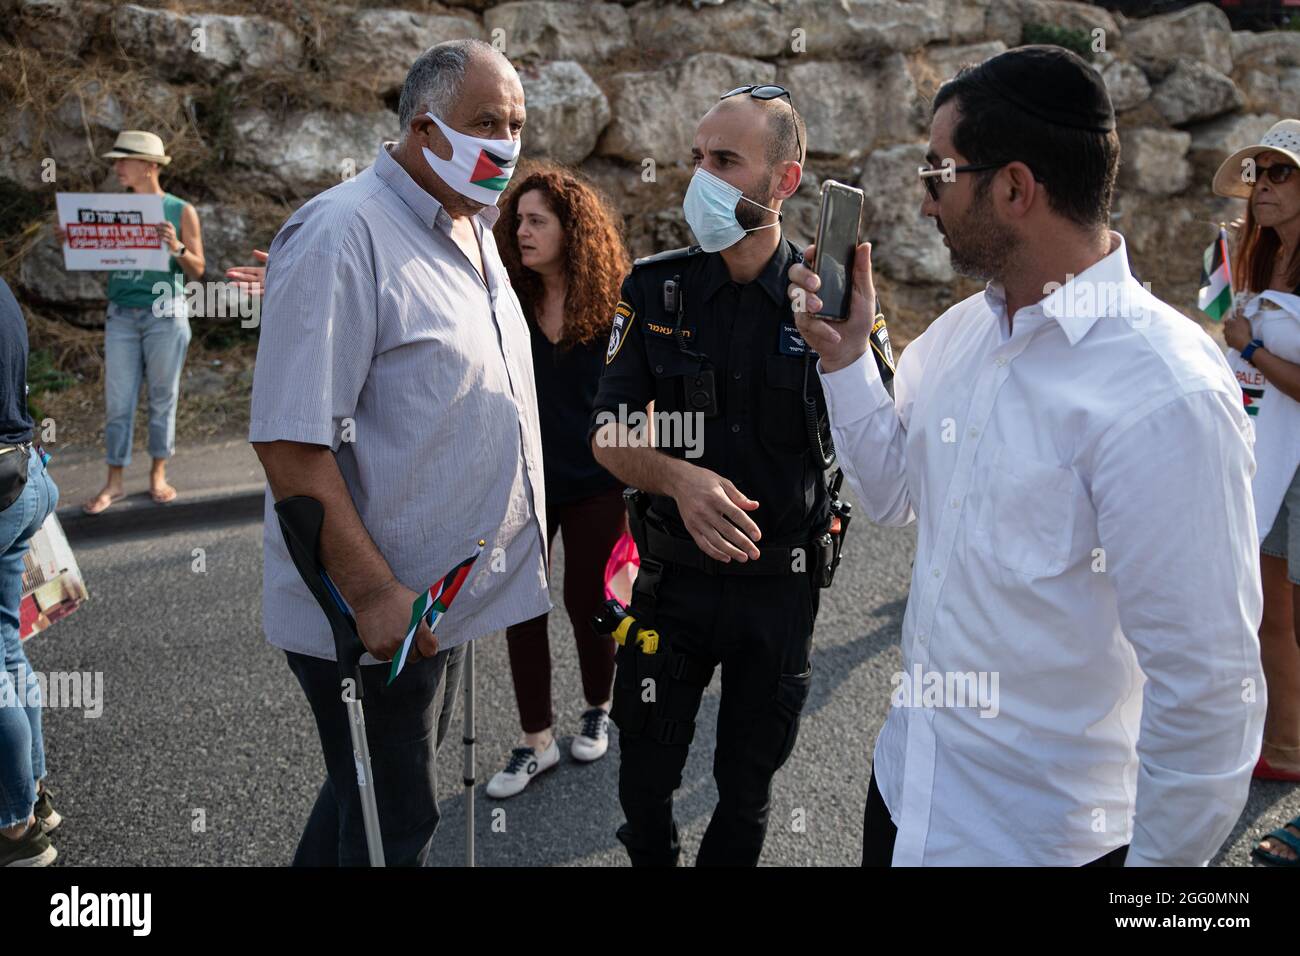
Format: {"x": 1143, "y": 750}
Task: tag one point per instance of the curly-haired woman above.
{"x": 560, "y": 242}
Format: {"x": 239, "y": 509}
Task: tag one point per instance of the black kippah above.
{"x": 1052, "y": 84}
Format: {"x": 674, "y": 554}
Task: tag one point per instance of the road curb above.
{"x": 137, "y": 514}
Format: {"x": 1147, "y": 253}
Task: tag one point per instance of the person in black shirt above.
{"x": 26, "y": 815}
{"x": 560, "y": 243}
{"x": 735, "y": 492}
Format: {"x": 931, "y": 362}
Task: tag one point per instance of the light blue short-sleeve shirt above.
{"x": 381, "y": 340}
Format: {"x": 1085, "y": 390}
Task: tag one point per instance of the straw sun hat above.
{"x": 138, "y": 144}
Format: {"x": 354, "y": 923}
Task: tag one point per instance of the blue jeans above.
{"x": 22, "y": 748}
{"x": 139, "y": 344}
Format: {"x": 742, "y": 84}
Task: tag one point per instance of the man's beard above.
{"x": 750, "y": 216}
{"x": 980, "y": 246}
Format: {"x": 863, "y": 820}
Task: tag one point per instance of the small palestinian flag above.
{"x": 1251, "y": 397}
{"x": 490, "y": 171}
{"x": 431, "y": 605}
{"x": 1214, "y": 297}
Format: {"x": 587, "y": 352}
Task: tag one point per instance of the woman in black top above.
{"x": 560, "y": 242}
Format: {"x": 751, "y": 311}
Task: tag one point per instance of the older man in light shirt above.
{"x": 1078, "y": 461}
{"x": 394, "y": 384}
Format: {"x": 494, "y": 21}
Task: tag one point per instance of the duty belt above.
{"x": 684, "y": 551}
{"x": 819, "y": 557}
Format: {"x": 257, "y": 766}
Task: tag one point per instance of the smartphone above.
{"x": 837, "y": 240}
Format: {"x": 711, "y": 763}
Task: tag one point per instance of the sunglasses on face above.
{"x": 1277, "y": 174}
{"x": 770, "y": 92}
{"x": 931, "y": 175}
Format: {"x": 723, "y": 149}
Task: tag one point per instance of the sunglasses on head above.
{"x": 770, "y": 91}
{"x": 1277, "y": 173}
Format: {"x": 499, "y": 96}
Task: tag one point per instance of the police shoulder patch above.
{"x": 880, "y": 342}
{"x": 623, "y": 316}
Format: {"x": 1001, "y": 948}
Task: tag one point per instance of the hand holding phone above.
{"x": 837, "y": 239}
{"x": 839, "y": 343}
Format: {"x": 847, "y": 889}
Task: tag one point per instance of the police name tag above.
{"x": 792, "y": 342}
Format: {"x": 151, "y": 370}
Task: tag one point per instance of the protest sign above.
{"x": 112, "y": 231}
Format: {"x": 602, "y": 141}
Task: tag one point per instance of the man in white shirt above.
{"x": 1079, "y": 464}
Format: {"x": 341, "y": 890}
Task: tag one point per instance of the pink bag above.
{"x": 621, "y": 569}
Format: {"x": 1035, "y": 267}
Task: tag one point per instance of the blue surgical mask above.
{"x": 710, "y": 208}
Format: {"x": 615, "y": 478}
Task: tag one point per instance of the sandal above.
{"x": 1284, "y": 836}
{"x": 86, "y": 506}
{"x": 168, "y": 496}
{"x": 1266, "y": 771}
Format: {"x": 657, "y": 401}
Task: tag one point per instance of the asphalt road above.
{"x": 205, "y": 752}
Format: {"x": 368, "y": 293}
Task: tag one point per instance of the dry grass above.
{"x": 225, "y": 414}
{"x": 79, "y": 408}
{"x": 43, "y": 92}
{"x": 40, "y": 87}
{"x": 76, "y": 351}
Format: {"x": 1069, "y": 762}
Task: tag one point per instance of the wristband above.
{"x": 1249, "y": 350}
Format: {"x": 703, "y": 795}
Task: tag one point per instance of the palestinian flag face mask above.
{"x": 479, "y": 169}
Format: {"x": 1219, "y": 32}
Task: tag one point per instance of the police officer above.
{"x": 733, "y": 512}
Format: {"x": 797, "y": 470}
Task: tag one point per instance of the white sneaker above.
{"x": 592, "y": 740}
{"x": 524, "y": 764}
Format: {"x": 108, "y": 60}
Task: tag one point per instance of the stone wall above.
{"x": 283, "y": 98}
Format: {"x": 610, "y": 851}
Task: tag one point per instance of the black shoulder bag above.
{"x": 13, "y": 473}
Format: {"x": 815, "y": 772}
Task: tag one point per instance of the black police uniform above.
{"x": 734, "y": 355}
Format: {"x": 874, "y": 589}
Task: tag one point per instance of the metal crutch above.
{"x": 301, "y": 519}
{"x": 468, "y": 767}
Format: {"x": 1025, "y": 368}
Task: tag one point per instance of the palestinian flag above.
{"x": 1251, "y": 397}
{"x": 432, "y": 604}
{"x": 490, "y": 171}
{"x": 1215, "y": 294}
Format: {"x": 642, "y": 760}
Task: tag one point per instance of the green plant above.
{"x": 18, "y": 208}
{"x": 1077, "y": 41}
{"x": 43, "y": 377}
{"x": 213, "y": 113}
{"x": 20, "y": 214}
{"x": 225, "y": 335}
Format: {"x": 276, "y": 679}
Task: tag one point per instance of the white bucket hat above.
{"x": 1283, "y": 138}
{"x": 138, "y": 144}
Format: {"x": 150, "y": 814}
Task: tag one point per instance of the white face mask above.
{"x": 479, "y": 169}
{"x": 710, "y": 208}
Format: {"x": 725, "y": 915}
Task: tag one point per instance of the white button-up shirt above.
{"x": 1081, "y": 663}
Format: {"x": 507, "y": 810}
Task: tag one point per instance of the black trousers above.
{"x": 759, "y": 628}
{"x": 405, "y": 726}
{"x": 879, "y": 833}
